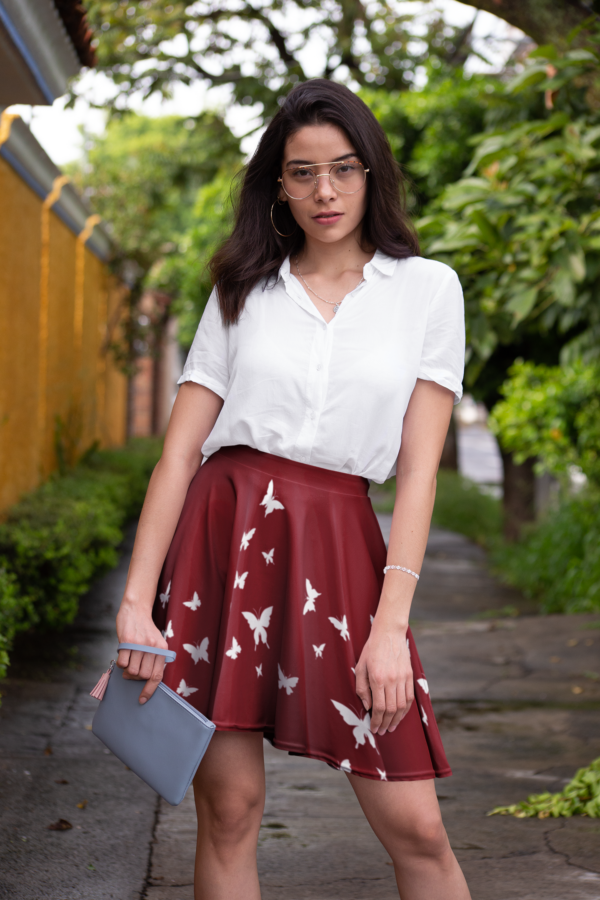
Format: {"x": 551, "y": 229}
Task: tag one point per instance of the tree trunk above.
{"x": 449, "y": 458}
{"x": 519, "y": 495}
{"x": 546, "y": 21}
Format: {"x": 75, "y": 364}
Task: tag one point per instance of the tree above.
{"x": 546, "y": 21}
{"x": 523, "y": 230}
{"x": 142, "y": 176}
{"x": 147, "y": 46}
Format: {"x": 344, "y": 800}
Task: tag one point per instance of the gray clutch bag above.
{"x": 163, "y": 740}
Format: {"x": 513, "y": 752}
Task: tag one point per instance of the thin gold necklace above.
{"x": 335, "y": 303}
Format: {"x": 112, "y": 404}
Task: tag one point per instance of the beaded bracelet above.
{"x": 402, "y": 569}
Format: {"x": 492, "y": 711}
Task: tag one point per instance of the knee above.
{"x": 231, "y": 817}
{"x": 426, "y": 838}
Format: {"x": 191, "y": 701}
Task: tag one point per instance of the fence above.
{"x": 60, "y": 390}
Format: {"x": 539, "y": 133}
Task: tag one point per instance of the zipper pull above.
{"x": 100, "y": 688}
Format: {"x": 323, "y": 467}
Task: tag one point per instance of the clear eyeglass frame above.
{"x": 322, "y": 175}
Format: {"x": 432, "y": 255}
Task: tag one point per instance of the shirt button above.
{"x": 318, "y": 368}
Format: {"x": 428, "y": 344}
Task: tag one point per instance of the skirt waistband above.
{"x": 301, "y": 473}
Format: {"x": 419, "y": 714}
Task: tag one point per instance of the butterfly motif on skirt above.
{"x": 195, "y": 603}
{"x": 269, "y": 502}
{"x": 240, "y": 581}
{"x": 185, "y": 689}
{"x": 311, "y": 596}
{"x": 234, "y": 651}
{"x": 246, "y": 538}
{"x": 287, "y": 683}
{"x": 198, "y": 651}
{"x": 361, "y": 728}
{"x": 342, "y": 626}
{"x": 259, "y": 624}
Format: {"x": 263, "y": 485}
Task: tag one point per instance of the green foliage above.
{"x": 213, "y": 220}
{"x": 523, "y": 226}
{"x": 429, "y": 130}
{"x": 557, "y": 560}
{"x": 58, "y": 538}
{"x": 552, "y": 413}
{"x": 146, "y": 47}
{"x": 581, "y": 797}
{"x": 142, "y": 176}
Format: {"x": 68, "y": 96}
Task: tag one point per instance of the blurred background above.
{"x": 123, "y": 124}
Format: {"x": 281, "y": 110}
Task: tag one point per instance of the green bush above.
{"x": 552, "y": 413}
{"x": 557, "y": 561}
{"x": 58, "y": 538}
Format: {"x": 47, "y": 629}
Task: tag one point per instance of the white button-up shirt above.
{"x": 331, "y": 395}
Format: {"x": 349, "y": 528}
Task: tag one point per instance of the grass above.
{"x": 460, "y": 505}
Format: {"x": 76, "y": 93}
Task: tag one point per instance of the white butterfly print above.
{"x": 198, "y": 651}
{"x": 361, "y": 727}
{"x": 284, "y": 682}
{"x": 408, "y": 645}
{"x": 185, "y": 689}
{"x": 372, "y": 618}
{"x": 345, "y": 766}
{"x": 311, "y": 596}
{"x": 240, "y": 581}
{"x": 353, "y": 670}
{"x": 195, "y": 603}
{"x": 164, "y": 598}
{"x": 234, "y": 651}
{"x": 318, "y": 651}
{"x": 342, "y": 627}
{"x": 168, "y": 632}
{"x": 246, "y": 538}
{"x": 382, "y": 774}
{"x": 269, "y": 502}
{"x": 269, "y": 556}
{"x": 423, "y": 683}
{"x": 258, "y": 671}
{"x": 424, "y": 717}
{"x": 259, "y": 624}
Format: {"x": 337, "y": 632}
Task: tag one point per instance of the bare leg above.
{"x": 405, "y": 816}
{"x": 229, "y": 790}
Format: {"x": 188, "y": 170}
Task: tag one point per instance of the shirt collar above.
{"x": 284, "y": 270}
{"x": 380, "y": 262}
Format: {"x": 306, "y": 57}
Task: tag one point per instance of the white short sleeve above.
{"x": 443, "y": 355}
{"x": 208, "y": 359}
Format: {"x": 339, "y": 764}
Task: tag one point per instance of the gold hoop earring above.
{"x": 275, "y": 226}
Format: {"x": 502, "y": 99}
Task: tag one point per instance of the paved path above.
{"x": 517, "y": 711}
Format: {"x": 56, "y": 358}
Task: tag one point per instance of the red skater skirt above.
{"x": 267, "y": 594}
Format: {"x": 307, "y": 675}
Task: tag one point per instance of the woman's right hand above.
{"x": 135, "y": 627}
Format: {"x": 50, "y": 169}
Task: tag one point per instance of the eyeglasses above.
{"x": 348, "y": 177}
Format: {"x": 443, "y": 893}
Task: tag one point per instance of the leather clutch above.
{"x": 162, "y": 741}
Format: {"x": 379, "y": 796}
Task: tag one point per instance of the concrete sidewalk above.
{"x": 516, "y": 699}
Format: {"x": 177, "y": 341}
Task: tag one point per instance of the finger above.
{"x": 402, "y": 707}
{"x": 123, "y": 658}
{"x": 377, "y": 713}
{"x": 135, "y": 661}
{"x": 154, "y": 680}
{"x": 147, "y": 665}
{"x": 391, "y": 706}
{"x": 362, "y": 687}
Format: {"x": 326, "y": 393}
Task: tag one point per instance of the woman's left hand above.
{"x": 384, "y": 676}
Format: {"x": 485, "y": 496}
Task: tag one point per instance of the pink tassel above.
{"x": 100, "y": 688}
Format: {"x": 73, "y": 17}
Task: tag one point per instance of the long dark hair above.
{"x": 254, "y": 251}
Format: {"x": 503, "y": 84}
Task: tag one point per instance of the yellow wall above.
{"x": 70, "y": 373}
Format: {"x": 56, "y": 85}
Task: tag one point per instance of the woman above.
{"x": 329, "y": 353}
